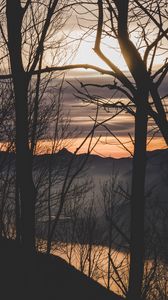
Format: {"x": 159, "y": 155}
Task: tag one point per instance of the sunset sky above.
{"x": 83, "y": 114}
{"x": 78, "y": 48}
{"x": 123, "y": 125}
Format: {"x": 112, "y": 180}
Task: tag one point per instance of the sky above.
{"x": 79, "y": 49}
{"x": 82, "y": 114}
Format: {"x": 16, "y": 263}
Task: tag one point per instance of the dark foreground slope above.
{"x": 47, "y": 278}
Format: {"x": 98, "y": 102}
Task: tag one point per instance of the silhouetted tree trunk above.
{"x": 138, "y": 207}
{"x": 17, "y": 213}
{"x": 14, "y": 13}
{"x": 139, "y": 73}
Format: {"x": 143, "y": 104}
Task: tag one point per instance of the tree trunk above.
{"x": 17, "y": 212}
{"x": 138, "y": 206}
{"x": 23, "y": 156}
{"x": 139, "y": 73}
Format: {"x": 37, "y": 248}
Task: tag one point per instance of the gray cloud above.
{"x": 80, "y": 113}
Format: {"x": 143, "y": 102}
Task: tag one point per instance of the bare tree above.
{"x": 26, "y": 28}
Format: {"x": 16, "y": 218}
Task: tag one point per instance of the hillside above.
{"x": 46, "y": 278}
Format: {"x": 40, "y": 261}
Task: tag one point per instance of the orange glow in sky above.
{"x": 104, "y": 149}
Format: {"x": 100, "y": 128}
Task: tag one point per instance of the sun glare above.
{"x": 79, "y": 51}
{"x": 86, "y": 54}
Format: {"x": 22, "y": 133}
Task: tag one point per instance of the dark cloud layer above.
{"x": 81, "y": 114}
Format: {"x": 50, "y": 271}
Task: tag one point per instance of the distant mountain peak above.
{"x": 64, "y": 152}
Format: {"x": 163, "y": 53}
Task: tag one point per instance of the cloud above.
{"x": 80, "y": 112}
{"x": 83, "y": 114}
